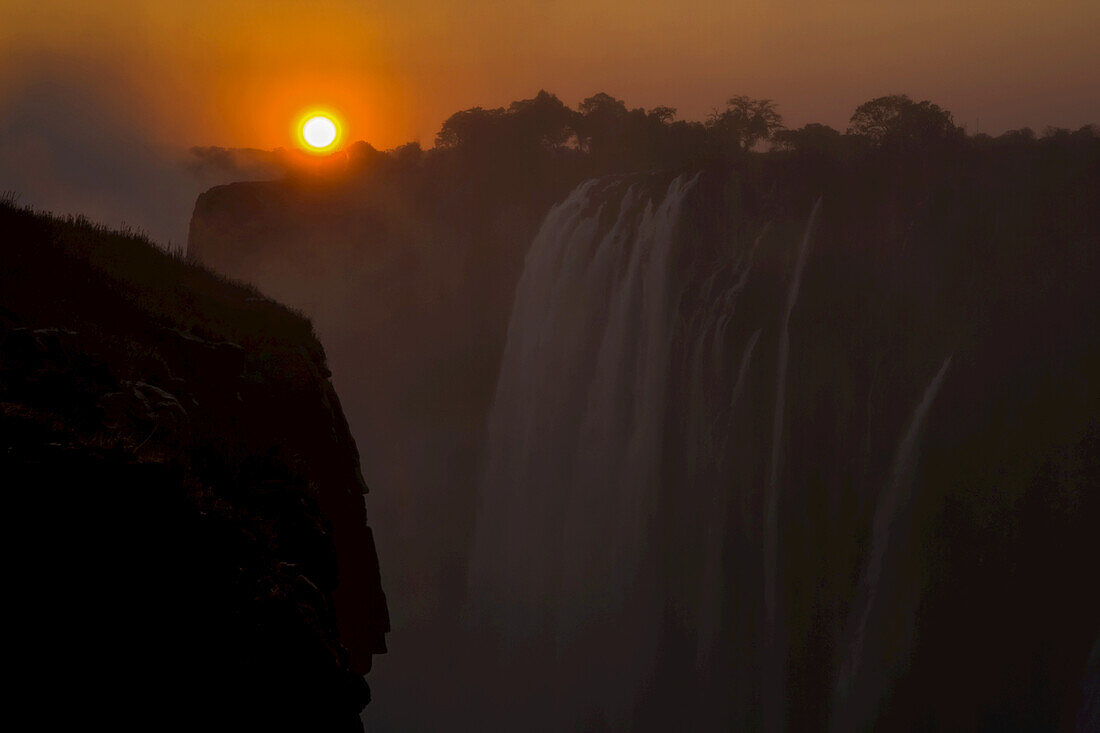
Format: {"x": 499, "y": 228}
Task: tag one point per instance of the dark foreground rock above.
{"x": 188, "y": 543}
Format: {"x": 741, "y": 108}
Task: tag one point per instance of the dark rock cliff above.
{"x": 186, "y": 506}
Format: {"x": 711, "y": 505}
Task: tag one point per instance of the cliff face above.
{"x": 193, "y": 530}
{"x": 408, "y": 280}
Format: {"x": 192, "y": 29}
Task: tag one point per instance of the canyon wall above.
{"x": 192, "y": 533}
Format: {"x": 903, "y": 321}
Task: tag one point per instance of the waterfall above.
{"x": 623, "y": 389}
{"x": 575, "y": 433}
{"x": 709, "y": 619}
{"x": 774, "y": 676}
{"x": 890, "y": 512}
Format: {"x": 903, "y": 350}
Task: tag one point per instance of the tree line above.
{"x": 615, "y": 137}
{"x": 539, "y": 148}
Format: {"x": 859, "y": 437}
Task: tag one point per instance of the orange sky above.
{"x": 204, "y": 72}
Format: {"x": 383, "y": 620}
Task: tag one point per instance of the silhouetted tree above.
{"x": 1064, "y": 137}
{"x": 1087, "y": 132}
{"x": 745, "y": 122}
{"x": 409, "y": 154}
{"x": 618, "y": 138}
{"x": 601, "y": 123}
{"x": 663, "y": 115}
{"x": 813, "y": 138}
{"x": 542, "y": 121}
{"x": 898, "y": 120}
{"x": 603, "y": 105}
{"x": 1023, "y": 135}
{"x": 475, "y": 127}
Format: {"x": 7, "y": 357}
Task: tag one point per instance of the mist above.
{"x": 680, "y": 449}
{"x": 67, "y": 149}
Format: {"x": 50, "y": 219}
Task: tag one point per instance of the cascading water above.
{"x": 774, "y": 695}
{"x": 628, "y": 527}
{"x": 565, "y": 565}
{"x": 858, "y": 689}
{"x": 575, "y": 437}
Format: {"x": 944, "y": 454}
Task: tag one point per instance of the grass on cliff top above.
{"x": 65, "y": 270}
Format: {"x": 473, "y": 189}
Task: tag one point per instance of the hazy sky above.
{"x": 166, "y": 74}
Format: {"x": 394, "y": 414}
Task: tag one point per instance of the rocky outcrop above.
{"x": 194, "y": 527}
{"x": 407, "y": 275}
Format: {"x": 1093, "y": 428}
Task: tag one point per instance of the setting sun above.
{"x": 319, "y": 132}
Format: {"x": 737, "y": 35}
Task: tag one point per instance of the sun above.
{"x": 319, "y": 132}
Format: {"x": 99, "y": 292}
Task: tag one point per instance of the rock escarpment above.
{"x": 189, "y": 524}
{"x": 407, "y": 275}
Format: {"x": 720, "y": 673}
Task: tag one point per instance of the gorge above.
{"x": 781, "y": 443}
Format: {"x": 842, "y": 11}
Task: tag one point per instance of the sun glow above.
{"x": 319, "y": 132}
